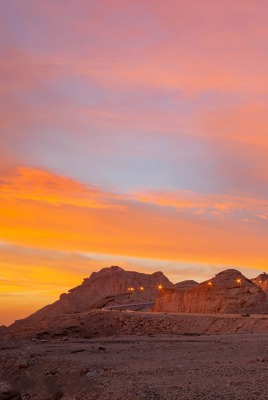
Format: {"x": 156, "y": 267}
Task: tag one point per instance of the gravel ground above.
{"x": 177, "y": 367}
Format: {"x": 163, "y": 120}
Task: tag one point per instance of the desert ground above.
{"x": 195, "y": 364}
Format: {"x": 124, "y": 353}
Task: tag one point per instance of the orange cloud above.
{"x": 40, "y": 185}
{"x": 45, "y": 219}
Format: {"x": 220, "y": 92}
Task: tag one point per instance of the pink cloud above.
{"x": 200, "y": 203}
{"x": 239, "y": 137}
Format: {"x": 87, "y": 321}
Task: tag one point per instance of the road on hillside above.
{"x": 128, "y": 306}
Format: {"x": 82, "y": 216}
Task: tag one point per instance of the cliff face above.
{"x": 228, "y": 292}
{"x": 109, "y": 286}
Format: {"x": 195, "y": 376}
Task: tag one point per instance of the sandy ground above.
{"x": 229, "y": 366}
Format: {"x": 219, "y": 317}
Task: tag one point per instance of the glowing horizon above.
{"x": 132, "y": 133}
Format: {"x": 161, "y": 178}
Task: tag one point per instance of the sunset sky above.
{"x": 133, "y": 133}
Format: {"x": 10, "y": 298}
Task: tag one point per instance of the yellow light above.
{"x": 160, "y": 287}
{"x": 209, "y": 283}
{"x": 131, "y": 289}
{"x": 238, "y": 280}
{"x": 141, "y": 288}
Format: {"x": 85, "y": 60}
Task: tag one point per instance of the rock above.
{"x": 12, "y": 395}
{"x": 5, "y": 387}
{"x": 228, "y": 292}
{"x": 92, "y": 373}
{"x": 58, "y": 395}
{"x": 22, "y": 363}
{"x": 7, "y": 392}
{"x": 77, "y": 351}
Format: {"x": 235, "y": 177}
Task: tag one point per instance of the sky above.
{"x": 133, "y": 133}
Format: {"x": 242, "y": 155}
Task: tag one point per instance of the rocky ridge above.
{"x": 228, "y": 292}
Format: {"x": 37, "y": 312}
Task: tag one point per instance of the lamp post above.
{"x": 210, "y": 289}
{"x": 239, "y": 281}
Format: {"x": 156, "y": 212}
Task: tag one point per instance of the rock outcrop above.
{"x": 185, "y": 285}
{"x": 262, "y": 281}
{"x": 3, "y": 329}
{"x": 228, "y": 292}
{"x": 109, "y": 286}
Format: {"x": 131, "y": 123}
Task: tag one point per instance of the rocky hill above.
{"x": 109, "y": 286}
{"x": 228, "y": 292}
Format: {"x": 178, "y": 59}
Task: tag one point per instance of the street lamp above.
{"x": 210, "y": 289}
{"x": 239, "y": 281}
